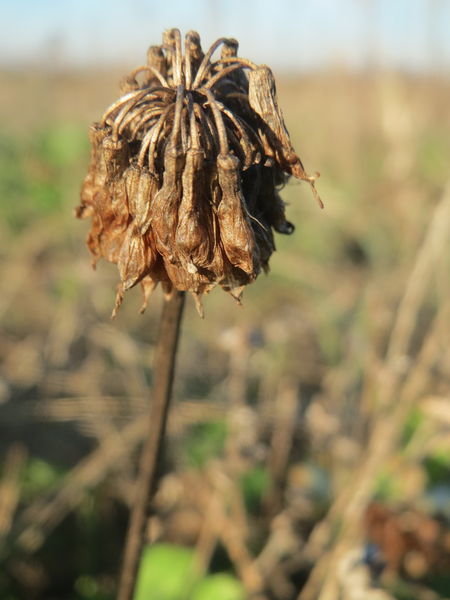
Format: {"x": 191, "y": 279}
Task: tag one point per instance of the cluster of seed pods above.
{"x": 185, "y": 170}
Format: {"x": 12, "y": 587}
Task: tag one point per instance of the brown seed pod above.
{"x": 182, "y": 187}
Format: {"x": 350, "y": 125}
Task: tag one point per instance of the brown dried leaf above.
{"x": 235, "y": 230}
{"x": 119, "y": 201}
{"x": 193, "y": 234}
{"x": 141, "y": 187}
{"x": 263, "y": 99}
{"x": 198, "y": 283}
{"x": 97, "y": 173}
{"x": 148, "y": 285}
{"x": 116, "y": 156}
{"x": 165, "y": 205}
{"x": 135, "y": 258}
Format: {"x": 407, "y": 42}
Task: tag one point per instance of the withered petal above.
{"x": 164, "y": 216}
{"x": 235, "y": 230}
{"x": 193, "y": 234}
{"x": 135, "y": 258}
{"x": 141, "y": 187}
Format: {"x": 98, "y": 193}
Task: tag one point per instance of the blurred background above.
{"x": 309, "y": 440}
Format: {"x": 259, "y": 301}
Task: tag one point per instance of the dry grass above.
{"x": 332, "y": 382}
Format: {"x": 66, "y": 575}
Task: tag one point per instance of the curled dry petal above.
{"x": 166, "y": 202}
{"x": 193, "y": 237}
{"x": 135, "y": 258}
{"x": 115, "y": 156}
{"x": 262, "y": 97}
{"x": 141, "y": 186}
{"x": 235, "y": 230}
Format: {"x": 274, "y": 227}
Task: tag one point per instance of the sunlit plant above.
{"x": 183, "y": 190}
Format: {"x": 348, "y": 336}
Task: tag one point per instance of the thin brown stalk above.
{"x": 151, "y": 452}
{"x": 10, "y": 486}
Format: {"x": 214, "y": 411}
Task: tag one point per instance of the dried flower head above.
{"x": 185, "y": 170}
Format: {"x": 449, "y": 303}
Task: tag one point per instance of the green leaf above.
{"x": 437, "y": 467}
{"x": 205, "y": 441}
{"x": 253, "y": 484}
{"x": 39, "y": 476}
{"x": 221, "y": 586}
{"x": 166, "y": 573}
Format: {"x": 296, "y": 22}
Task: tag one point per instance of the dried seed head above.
{"x": 185, "y": 166}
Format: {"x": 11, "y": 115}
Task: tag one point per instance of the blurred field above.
{"x": 310, "y": 436}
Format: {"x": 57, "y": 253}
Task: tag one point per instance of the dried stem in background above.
{"x": 162, "y": 389}
{"x": 10, "y": 486}
{"x": 397, "y": 389}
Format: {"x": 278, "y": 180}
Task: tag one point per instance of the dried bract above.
{"x": 182, "y": 187}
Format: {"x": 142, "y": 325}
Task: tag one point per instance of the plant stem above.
{"x": 162, "y": 389}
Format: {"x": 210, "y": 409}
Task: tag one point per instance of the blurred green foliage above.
{"x": 39, "y": 476}
{"x": 221, "y": 586}
{"x": 204, "y": 442}
{"x": 168, "y": 572}
{"x": 87, "y": 588}
{"x": 437, "y": 467}
{"x": 254, "y": 483}
{"x": 13, "y": 182}
{"x": 37, "y": 172}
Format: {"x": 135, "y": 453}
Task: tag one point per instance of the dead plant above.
{"x": 182, "y": 189}
{"x": 186, "y": 166}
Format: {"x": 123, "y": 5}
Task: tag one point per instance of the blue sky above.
{"x": 288, "y": 34}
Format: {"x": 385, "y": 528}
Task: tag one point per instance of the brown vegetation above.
{"x": 329, "y": 390}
